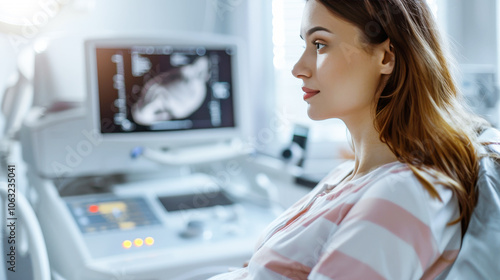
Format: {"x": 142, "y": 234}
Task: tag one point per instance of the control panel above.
{"x": 144, "y": 218}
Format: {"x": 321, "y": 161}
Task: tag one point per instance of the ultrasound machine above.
{"x": 146, "y": 179}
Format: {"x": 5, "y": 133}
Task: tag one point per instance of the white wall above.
{"x": 116, "y": 15}
{"x": 472, "y": 28}
{"x": 64, "y": 63}
{"x": 472, "y": 25}
{"x": 250, "y": 20}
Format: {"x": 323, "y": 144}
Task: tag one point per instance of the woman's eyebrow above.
{"x": 314, "y": 29}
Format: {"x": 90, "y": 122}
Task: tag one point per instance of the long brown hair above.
{"x": 420, "y": 113}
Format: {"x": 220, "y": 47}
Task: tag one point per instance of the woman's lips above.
{"x": 308, "y": 93}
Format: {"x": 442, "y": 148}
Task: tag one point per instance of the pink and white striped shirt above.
{"x": 383, "y": 225}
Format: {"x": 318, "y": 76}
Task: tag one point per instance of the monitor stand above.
{"x": 194, "y": 154}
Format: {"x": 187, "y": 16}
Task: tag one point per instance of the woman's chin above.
{"x": 315, "y": 116}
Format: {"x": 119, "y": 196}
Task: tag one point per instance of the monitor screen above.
{"x": 164, "y": 87}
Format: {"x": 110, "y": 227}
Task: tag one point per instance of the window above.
{"x": 288, "y": 47}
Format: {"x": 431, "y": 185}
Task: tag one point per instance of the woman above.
{"x": 397, "y": 211}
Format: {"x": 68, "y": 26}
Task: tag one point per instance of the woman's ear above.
{"x": 387, "y": 57}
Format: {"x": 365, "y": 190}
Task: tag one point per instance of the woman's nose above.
{"x": 300, "y": 69}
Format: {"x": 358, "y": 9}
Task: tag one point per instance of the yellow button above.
{"x": 127, "y": 244}
{"x": 138, "y": 242}
{"x": 149, "y": 241}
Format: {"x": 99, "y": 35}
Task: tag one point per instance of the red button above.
{"x": 93, "y": 208}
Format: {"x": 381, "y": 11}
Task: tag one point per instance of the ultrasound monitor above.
{"x": 172, "y": 90}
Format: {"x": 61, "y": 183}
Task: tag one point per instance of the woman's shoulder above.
{"x": 337, "y": 173}
{"x": 397, "y": 184}
{"x": 398, "y": 176}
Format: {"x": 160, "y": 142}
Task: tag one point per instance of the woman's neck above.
{"x": 369, "y": 151}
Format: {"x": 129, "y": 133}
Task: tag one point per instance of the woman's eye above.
{"x": 319, "y": 46}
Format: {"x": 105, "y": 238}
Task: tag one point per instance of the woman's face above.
{"x": 340, "y": 77}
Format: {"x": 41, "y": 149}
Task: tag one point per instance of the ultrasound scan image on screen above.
{"x": 164, "y": 88}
